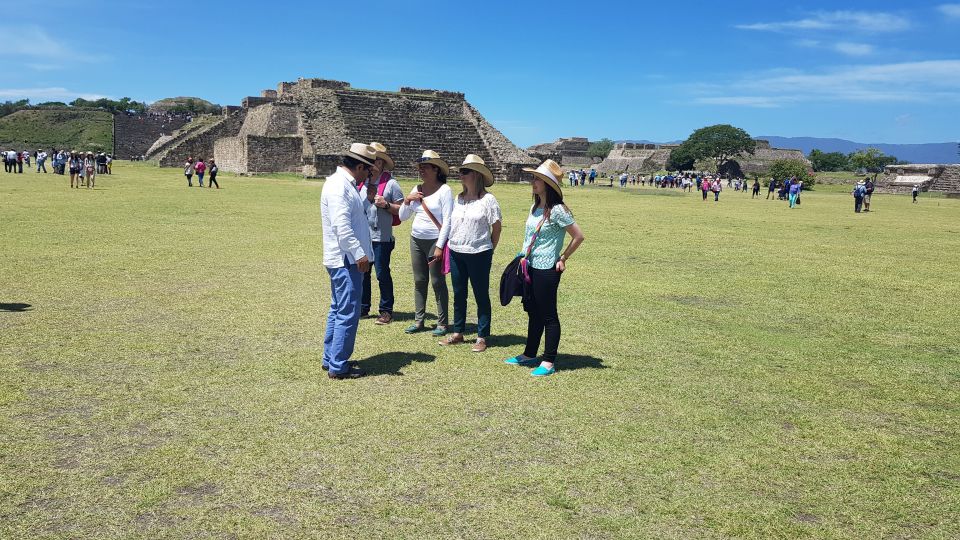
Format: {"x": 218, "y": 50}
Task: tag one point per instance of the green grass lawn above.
{"x": 731, "y": 369}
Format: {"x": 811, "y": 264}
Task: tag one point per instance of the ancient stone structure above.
{"x": 305, "y": 126}
{"x": 134, "y": 133}
{"x": 902, "y": 178}
{"x": 568, "y": 152}
{"x": 649, "y": 158}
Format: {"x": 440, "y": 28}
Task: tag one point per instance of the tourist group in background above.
{"x": 82, "y": 166}
{"x": 581, "y": 177}
{"x": 863, "y": 193}
{"x": 450, "y": 234}
{"x": 199, "y": 167}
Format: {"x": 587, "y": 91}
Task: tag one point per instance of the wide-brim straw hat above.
{"x": 362, "y": 152}
{"x": 475, "y": 163}
{"x": 433, "y": 158}
{"x": 549, "y": 172}
{"x": 382, "y": 154}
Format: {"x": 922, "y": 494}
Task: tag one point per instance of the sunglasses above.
{"x": 464, "y": 172}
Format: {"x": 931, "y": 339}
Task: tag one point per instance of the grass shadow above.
{"x": 506, "y": 340}
{"x": 570, "y": 362}
{"x": 15, "y": 307}
{"x": 391, "y": 363}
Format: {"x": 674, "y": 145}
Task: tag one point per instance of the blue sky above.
{"x": 865, "y": 71}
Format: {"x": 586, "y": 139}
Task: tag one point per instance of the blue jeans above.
{"x": 475, "y": 268}
{"x": 344, "y": 316}
{"x": 200, "y": 178}
{"x": 381, "y": 250}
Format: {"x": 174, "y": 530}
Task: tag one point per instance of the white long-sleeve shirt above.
{"x": 345, "y": 230}
{"x": 440, "y": 204}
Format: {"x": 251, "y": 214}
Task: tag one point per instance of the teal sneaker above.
{"x": 542, "y": 371}
{"x": 414, "y": 328}
{"x": 440, "y": 331}
{"x": 517, "y": 361}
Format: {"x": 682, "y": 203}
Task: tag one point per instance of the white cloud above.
{"x": 853, "y": 49}
{"x": 926, "y": 81}
{"x": 863, "y": 21}
{"x": 950, "y": 10}
{"x": 31, "y": 41}
{"x": 38, "y": 95}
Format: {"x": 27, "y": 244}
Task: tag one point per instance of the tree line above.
{"x": 125, "y": 104}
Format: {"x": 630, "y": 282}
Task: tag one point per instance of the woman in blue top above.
{"x": 548, "y": 223}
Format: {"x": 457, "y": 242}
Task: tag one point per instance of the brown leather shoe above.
{"x": 452, "y": 339}
{"x": 384, "y": 318}
{"x": 480, "y": 345}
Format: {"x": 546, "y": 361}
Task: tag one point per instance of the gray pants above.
{"x": 420, "y": 251}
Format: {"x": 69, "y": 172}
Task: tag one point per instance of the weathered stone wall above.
{"x": 200, "y": 144}
{"x": 650, "y": 158}
{"x": 230, "y": 154}
{"x": 274, "y": 154}
{"x": 134, "y": 134}
{"x": 253, "y": 101}
{"x": 930, "y": 177}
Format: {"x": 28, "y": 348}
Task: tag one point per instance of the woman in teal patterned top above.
{"x": 550, "y": 220}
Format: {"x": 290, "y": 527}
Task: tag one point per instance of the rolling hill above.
{"x": 72, "y": 129}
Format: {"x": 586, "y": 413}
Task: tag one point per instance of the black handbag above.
{"x": 511, "y": 281}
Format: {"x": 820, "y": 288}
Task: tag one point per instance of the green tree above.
{"x": 871, "y": 160}
{"x": 829, "y": 161}
{"x": 790, "y": 168}
{"x": 681, "y": 158}
{"x": 10, "y": 107}
{"x": 720, "y": 143}
{"x": 600, "y": 148}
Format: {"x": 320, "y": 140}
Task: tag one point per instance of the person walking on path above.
{"x": 705, "y": 187}
{"x": 549, "y": 221}
{"x": 42, "y": 161}
{"x": 347, "y": 254}
{"x": 200, "y": 168}
{"x": 915, "y": 192}
{"x": 75, "y": 164}
{"x": 794, "y": 193}
{"x": 188, "y": 171}
{"x": 382, "y": 204}
{"x": 717, "y": 187}
{"x": 472, "y": 237}
{"x": 756, "y": 188}
{"x": 430, "y": 204}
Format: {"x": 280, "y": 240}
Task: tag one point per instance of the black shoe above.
{"x": 350, "y": 364}
{"x": 352, "y": 373}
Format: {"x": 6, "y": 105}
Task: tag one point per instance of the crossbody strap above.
{"x": 423, "y": 204}
{"x": 536, "y": 233}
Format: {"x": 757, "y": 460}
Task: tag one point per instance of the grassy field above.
{"x": 731, "y": 369}
{"x": 81, "y": 130}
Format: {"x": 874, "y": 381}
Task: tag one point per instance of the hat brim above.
{"x": 387, "y": 160}
{"x": 484, "y": 171}
{"x": 438, "y": 163}
{"x": 363, "y": 159}
{"x": 550, "y": 182}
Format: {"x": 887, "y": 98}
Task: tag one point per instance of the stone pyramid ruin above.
{"x": 304, "y": 127}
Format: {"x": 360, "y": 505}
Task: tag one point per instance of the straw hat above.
{"x": 362, "y": 152}
{"x": 382, "y": 154}
{"x": 433, "y": 158}
{"x": 475, "y": 163}
{"x": 549, "y": 172}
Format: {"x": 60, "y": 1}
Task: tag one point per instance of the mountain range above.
{"x": 914, "y": 153}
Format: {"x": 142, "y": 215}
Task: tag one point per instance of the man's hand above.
{"x": 363, "y": 264}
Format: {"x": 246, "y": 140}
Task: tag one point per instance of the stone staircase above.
{"x": 161, "y": 149}
{"x": 948, "y": 182}
{"x": 412, "y": 124}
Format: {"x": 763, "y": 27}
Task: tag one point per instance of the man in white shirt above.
{"x": 41, "y": 161}
{"x": 347, "y": 254}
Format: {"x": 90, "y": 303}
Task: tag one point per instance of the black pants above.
{"x": 213, "y": 181}
{"x": 542, "y": 313}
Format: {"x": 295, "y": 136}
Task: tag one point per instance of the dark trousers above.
{"x": 213, "y": 181}
{"x": 381, "y": 263}
{"x": 542, "y": 314}
{"x": 705, "y": 194}
{"x": 857, "y": 204}
{"x": 475, "y": 268}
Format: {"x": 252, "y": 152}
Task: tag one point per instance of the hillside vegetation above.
{"x": 77, "y": 129}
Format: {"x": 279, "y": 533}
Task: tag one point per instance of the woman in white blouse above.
{"x": 430, "y": 204}
{"x": 472, "y": 236}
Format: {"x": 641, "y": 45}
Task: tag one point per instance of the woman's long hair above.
{"x": 481, "y": 189}
{"x": 553, "y": 198}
